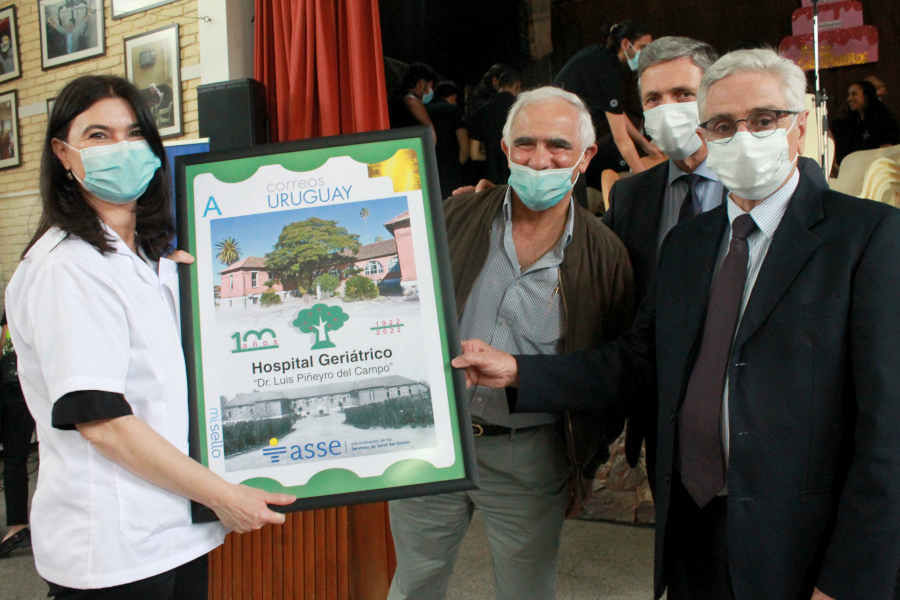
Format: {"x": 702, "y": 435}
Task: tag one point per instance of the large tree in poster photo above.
{"x": 307, "y": 248}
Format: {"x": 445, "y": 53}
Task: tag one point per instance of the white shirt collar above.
{"x": 768, "y": 213}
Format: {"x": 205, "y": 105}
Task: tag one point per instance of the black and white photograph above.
{"x": 9, "y": 45}
{"x": 9, "y": 131}
{"x": 153, "y": 64}
{"x": 71, "y": 30}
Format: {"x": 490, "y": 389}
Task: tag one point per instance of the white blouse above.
{"x": 84, "y": 321}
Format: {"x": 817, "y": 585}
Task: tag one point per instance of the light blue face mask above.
{"x": 118, "y": 173}
{"x": 540, "y": 190}
{"x": 429, "y": 96}
{"x": 633, "y": 62}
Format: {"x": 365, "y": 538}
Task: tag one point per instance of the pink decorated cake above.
{"x": 837, "y": 47}
{"x": 834, "y": 15}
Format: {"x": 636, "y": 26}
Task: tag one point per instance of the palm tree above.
{"x": 229, "y": 251}
{"x": 364, "y": 214}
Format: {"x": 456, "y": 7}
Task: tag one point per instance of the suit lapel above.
{"x": 701, "y": 251}
{"x": 791, "y": 248}
{"x": 653, "y": 194}
{"x": 656, "y": 191}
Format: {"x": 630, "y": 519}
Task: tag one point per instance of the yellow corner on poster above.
{"x": 402, "y": 168}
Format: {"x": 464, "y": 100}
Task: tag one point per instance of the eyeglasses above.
{"x": 761, "y": 124}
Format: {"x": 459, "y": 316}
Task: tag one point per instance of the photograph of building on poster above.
{"x": 320, "y": 309}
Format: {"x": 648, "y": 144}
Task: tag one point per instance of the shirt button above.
{"x": 672, "y": 417}
{"x": 500, "y": 321}
{"x": 478, "y": 399}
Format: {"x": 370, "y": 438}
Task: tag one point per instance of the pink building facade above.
{"x": 245, "y": 280}
{"x": 400, "y": 229}
{"x": 377, "y": 260}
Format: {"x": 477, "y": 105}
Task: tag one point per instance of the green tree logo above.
{"x": 320, "y": 319}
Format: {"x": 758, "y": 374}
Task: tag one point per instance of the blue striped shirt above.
{"x": 709, "y": 189}
{"x": 519, "y": 313}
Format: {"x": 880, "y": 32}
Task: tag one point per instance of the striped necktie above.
{"x": 690, "y": 206}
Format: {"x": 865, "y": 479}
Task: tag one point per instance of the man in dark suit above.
{"x": 645, "y": 207}
{"x": 769, "y": 333}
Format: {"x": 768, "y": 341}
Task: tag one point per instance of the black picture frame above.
{"x": 10, "y": 148}
{"x": 10, "y": 67}
{"x": 153, "y": 65}
{"x": 199, "y": 319}
{"x": 124, "y": 8}
{"x": 71, "y": 31}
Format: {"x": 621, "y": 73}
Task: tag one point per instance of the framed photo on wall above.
{"x": 70, "y": 31}
{"x": 153, "y": 64}
{"x": 9, "y": 131}
{"x": 319, "y": 320}
{"x": 9, "y": 45}
{"x": 123, "y": 8}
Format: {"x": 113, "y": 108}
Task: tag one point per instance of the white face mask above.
{"x": 673, "y": 128}
{"x": 751, "y": 167}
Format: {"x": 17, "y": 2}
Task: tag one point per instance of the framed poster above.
{"x": 123, "y": 8}
{"x": 319, "y": 320}
{"x": 9, "y": 131}
{"x": 153, "y": 64}
{"x": 71, "y": 30}
{"x": 9, "y": 45}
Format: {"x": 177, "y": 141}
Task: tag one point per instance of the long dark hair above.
{"x": 873, "y": 104}
{"x": 629, "y": 29}
{"x": 64, "y": 203}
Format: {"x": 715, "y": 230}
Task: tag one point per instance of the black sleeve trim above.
{"x": 512, "y": 398}
{"x": 88, "y": 405}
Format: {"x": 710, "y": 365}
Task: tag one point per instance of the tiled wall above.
{"x": 19, "y": 199}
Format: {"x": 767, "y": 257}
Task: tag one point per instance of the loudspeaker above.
{"x": 233, "y": 114}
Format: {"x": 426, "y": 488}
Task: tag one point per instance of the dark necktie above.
{"x": 690, "y": 206}
{"x": 700, "y": 416}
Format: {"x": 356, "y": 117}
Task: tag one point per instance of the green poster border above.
{"x": 335, "y": 486}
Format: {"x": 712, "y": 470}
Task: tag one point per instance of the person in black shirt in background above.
{"x": 407, "y": 108}
{"x": 601, "y": 75}
{"x": 452, "y": 147}
{"x": 16, "y": 428}
{"x": 869, "y": 124}
{"x": 486, "y": 128}
{"x": 487, "y": 87}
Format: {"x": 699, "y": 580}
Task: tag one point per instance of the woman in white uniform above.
{"x": 93, "y": 314}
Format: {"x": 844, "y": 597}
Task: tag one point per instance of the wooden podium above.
{"x": 344, "y": 553}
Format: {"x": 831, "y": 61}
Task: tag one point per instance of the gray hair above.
{"x": 586, "y": 133}
{"x": 790, "y": 77}
{"x": 671, "y": 48}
